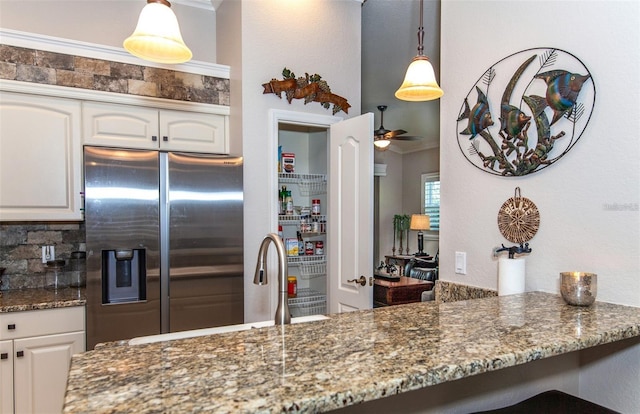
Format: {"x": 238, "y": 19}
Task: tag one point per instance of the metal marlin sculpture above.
{"x": 550, "y": 97}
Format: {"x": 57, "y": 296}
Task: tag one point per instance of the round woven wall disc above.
{"x": 518, "y": 219}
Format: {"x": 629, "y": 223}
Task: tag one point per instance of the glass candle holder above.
{"x": 578, "y": 288}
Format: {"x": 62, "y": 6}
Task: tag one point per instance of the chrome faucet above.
{"x": 283, "y": 316}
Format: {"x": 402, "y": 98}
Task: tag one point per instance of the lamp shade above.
{"x": 419, "y": 222}
{"x": 419, "y": 82}
{"x": 157, "y": 36}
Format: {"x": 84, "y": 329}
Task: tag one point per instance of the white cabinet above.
{"x": 40, "y": 158}
{"x": 124, "y": 126}
{"x": 36, "y": 349}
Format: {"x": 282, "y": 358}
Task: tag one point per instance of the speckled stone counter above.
{"x": 347, "y": 359}
{"x": 35, "y": 299}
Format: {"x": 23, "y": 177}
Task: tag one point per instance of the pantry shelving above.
{"x": 308, "y": 302}
{"x": 309, "y": 267}
{"x": 308, "y": 184}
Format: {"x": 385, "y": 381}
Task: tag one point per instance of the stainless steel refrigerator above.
{"x": 164, "y": 242}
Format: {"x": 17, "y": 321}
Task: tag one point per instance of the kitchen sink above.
{"x": 217, "y": 330}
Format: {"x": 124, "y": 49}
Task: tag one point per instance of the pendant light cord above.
{"x": 421, "y": 33}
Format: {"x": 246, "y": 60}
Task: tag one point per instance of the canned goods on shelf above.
{"x": 319, "y": 248}
{"x": 292, "y": 286}
{"x": 308, "y": 248}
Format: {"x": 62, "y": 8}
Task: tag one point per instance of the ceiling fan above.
{"x": 382, "y": 137}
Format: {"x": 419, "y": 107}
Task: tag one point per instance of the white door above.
{"x": 350, "y": 238}
{"x": 41, "y": 369}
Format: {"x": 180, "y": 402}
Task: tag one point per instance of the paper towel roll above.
{"x": 510, "y": 276}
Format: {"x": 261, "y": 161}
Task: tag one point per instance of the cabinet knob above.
{"x": 20, "y": 354}
{"x": 165, "y": 138}
{"x": 11, "y": 327}
{"x": 154, "y": 138}
{"x": 4, "y": 355}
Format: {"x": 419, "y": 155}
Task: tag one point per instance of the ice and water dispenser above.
{"x": 123, "y": 276}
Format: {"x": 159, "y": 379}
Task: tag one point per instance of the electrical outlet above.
{"x": 48, "y": 253}
{"x": 461, "y": 263}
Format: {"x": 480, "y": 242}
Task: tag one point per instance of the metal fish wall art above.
{"x": 544, "y": 102}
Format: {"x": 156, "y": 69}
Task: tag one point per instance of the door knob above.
{"x": 362, "y": 281}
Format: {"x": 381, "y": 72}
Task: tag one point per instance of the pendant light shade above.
{"x": 157, "y": 36}
{"x": 420, "y": 80}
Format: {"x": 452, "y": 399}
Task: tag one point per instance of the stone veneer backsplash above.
{"x": 21, "y": 249}
{"x": 38, "y": 66}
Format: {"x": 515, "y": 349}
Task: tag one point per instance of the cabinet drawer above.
{"x": 41, "y": 322}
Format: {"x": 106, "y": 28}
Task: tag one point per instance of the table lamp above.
{"x": 420, "y": 222}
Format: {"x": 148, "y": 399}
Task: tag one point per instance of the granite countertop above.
{"x": 35, "y": 299}
{"x": 346, "y": 359}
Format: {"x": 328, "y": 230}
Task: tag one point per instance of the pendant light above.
{"x": 420, "y": 81}
{"x": 157, "y": 36}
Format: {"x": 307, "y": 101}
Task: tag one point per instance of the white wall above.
{"x": 577, "y": 231}
{"x": 389, "y": 202}
{"x": 313, "y": 36}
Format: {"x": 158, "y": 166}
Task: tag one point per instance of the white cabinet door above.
{"x": 119, "y": 126}
{"x": 123, "y": 126}
{"x": 40, "y": 158}
{"x": 41, "y": 370}
{"x": 6, "y": 377}
{"x": 350, "y": 243}
{"x": 193, "y": 132}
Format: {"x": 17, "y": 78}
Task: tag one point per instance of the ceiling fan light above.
{"x": 157, "y": 36}
{"x": 381, "y": 143}
{"x": 419, "y": 82}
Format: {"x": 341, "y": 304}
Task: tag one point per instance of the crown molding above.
{"x": 211, "y": 5}
{"x": 399, "y": 147}
{"x": 95, "y": 51}
{"x": 109, "y": 97}
{"x": 200, "y": 4}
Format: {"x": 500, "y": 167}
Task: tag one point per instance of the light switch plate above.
{"x": 461, "y": 263}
